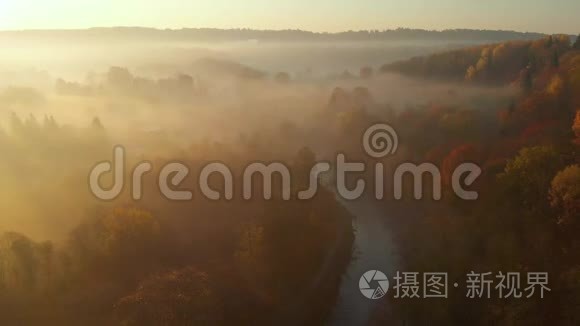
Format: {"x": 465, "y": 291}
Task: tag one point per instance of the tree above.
{"x": 181, "y": 297}
{"x": 565, "y": 194}
{"x": 366, "y": 72}
{"x": 556, "y": 86}
{"x": 346, "y": 75}
{"x": 556, "y": 59}
{"x": 576, "y": 127}
{"x": 527, "y": 81}
{"x": 96, "y": 124}
{"x": 340, "y": 100}
{"x": 124, "y": 234}
{"x": 302, "y": 165}
{"x": 282, "y": 77}
{"x": 128, "y": 230}
{"x": 185, "y": 81}
{"x": 470, "y": 73}
{"x": 49, "y": 123}
{"x": 577, "y": 43}
{"x": 362, "y": 98}
{"x": 460, "y": 154}
{"x": 119, "y": 77}
{"x": 549, "y": 42}
{"x": 23, "y": 263}
{"x": 16, "y": 125}
{"x": 528, "y": 176}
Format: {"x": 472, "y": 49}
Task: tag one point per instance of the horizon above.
{"x": 394, "y": 29}
{"x": 327, "y": 162}
{"x": 539, "y": 16}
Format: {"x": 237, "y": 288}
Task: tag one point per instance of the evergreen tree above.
{"x": 512, "y": 107}
{"x": 97, "y": 124}
{"x": 556, "y": 60}
{"x": 16, "y": 125}
{"x": 577, "y": 43}
{"x": 527, "y": 81}
{"x": 549, "y": 42}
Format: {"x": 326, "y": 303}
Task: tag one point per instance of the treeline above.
{"x": 226, "y": 35}
{"x": 499, "y": 64}
{"x": 120, "y": 81}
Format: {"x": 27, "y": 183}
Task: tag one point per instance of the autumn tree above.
{"x": 556, "y": 86}
{"x": 459, "y": 155}
{"x": 528, "y": 176}
{"x": 576, "y": 127}
{"x": 113, "y": 238}
{"x": 565, "y": 194}
{"x": 24, "y": 264}
{"x": 366, "y": 72}
{"x": 181, "y": 297}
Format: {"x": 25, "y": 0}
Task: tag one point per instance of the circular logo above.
{"x": 380, "y": 140}
{"x": 374, "y": 284}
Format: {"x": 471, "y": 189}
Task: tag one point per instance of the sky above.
{"x": 547, "y": 16}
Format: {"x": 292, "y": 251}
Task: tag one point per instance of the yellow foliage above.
{"x": 128, "y": 225}
{"x": 565, "y": 193}
{"x": 556, "y": 86}
{"x": 482, "y": 64}
{"x": 499, "y": 52}
{"x": 470, "y": 74}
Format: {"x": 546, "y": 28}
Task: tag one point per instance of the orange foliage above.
{"x": 461, "y": 154}
{"x": 576, "y": 127}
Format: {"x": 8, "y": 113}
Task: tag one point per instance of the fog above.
{"x": 70, "y": 99}
{"x": 159, "y": 98}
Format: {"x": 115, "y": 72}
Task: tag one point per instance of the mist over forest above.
{"x": 508, "y": 101}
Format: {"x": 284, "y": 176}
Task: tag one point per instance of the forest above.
{"x": 527, "y": 216}
{"x": 510, "y": 104}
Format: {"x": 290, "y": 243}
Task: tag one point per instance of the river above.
{"x": 374, "y": 250}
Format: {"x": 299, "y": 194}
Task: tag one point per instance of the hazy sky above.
{"x": 550, "y": 16}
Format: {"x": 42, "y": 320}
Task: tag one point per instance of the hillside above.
{"x": 500, "y": 63}
{"x": 526, "y": 216}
